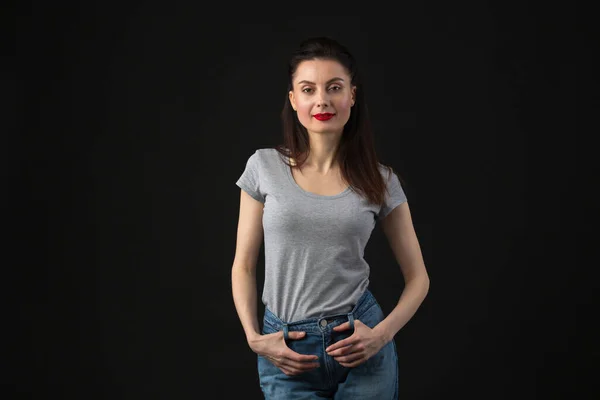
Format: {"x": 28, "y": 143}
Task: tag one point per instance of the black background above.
{"x": 134, "y": 122}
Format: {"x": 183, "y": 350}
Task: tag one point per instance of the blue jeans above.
{"x": 376, "y": 379}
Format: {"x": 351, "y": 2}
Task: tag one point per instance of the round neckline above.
{"x": 310, "y": 194}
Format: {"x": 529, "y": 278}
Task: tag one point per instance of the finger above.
{"x": 281, "y": 365}
{"x": 297, "y": 368}
{"x": 289, "y": 367}
{"x": 296, "y": 335}
{"x": 295, "y": 365}
{"x": 348, "y": 358}
{"x": 287, "y": 370}
{"x": 301, "y": 365}
{"x": 296, "y": 371}
{"x": 342, "y": 327}
{"x": 292, "y": 355}
{"x": 342, "y": 351}
{"x": 342, "y": 343}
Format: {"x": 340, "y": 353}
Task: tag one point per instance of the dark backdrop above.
{"x": 134, "y": 122}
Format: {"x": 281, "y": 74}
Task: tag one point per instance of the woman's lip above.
{"x": 324, "y": 116}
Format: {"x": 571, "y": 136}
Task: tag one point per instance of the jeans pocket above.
{"x": 372, "y": 316}
{"x": 268, "y": 328}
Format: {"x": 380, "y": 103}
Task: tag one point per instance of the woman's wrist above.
{"x": 252, "y": 338}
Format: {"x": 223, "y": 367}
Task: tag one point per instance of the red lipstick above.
{"x": 323, "y": 116}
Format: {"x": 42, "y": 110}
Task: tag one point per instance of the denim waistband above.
{"x": 320, "y": 324}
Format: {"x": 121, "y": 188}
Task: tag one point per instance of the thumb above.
{"x": 296, "y": 335}
{"x": 342, "y": 327}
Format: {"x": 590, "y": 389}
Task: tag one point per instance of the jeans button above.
{"x": 323, "y": 323}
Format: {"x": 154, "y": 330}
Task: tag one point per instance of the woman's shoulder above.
{"x": 266, "y": 151}
{"x": 265, "y": 158}
{"x": 266, "y": 154}
{"x": 272, "y": 154}
{"x": 385, "y": 170}
{"x": 261, "y": 153}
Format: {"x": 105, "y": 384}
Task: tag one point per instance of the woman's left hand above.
{"x": 358, "y": 348}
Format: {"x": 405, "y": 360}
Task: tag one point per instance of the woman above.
{"x": 315, "y": 200}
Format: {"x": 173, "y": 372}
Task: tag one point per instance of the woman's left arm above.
{"x": 400, "y": 233}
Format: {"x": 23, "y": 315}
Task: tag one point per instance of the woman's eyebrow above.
{"x": 328, "y": 82}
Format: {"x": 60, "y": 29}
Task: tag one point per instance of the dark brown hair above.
{"x": 356, "y": 153}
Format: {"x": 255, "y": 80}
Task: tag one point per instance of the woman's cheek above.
{"x": 345, "y": 105}
{"x": 304, "y": 114}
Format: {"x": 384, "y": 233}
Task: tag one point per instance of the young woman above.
{"x": 315, "y": 201}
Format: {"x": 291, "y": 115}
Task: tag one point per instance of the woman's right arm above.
{"x": 243, "y": 272}
{"x": 243, "y": 282}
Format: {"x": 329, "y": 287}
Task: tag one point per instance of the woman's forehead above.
{"x": 320, "y": 71}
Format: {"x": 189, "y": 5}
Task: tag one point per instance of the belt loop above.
{"x": 285, "y": 332}
{"x": 351, "y": 320}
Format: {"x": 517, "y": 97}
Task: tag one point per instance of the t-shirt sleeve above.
{"x": 393, "y": 197}
{"x": 249, "y": 181}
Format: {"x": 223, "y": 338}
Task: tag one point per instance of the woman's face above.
{"x": 322, "y": 95}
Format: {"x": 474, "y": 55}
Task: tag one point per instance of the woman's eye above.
{"x": 334, "y": 88}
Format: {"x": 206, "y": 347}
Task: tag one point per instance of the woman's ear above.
{"x": 292, "y": 101}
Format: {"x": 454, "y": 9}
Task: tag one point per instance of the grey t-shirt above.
{"x": 314, "y": 244}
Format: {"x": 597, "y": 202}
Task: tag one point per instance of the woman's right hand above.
{"x": 272, "y": 346}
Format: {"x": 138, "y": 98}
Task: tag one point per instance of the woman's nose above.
{"x": 323, "y": 98}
